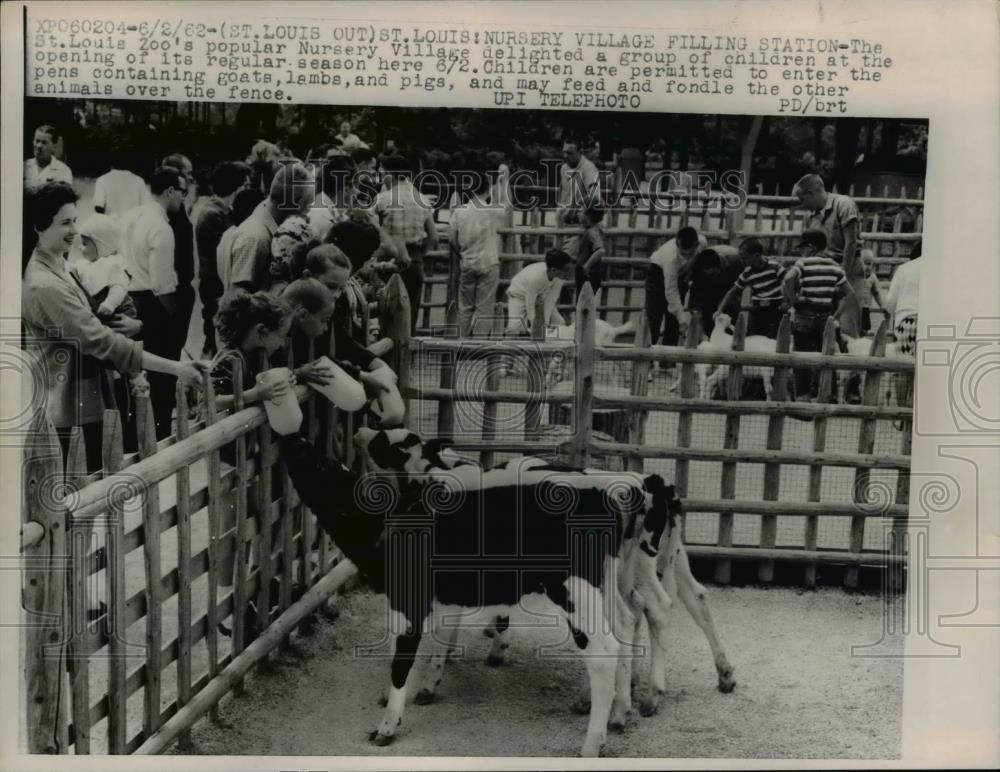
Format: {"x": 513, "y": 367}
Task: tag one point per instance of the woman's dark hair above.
{"x": 917, "y": 249}
{"x": 228, "y": 177}
{"x": 358, "y": 240}
{"x": 44, "y": 202}
{"x": 244, "y": 203}
{"x": 239, "y": 311}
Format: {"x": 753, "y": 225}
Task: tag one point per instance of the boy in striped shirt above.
{"x": 817, "y": 288}
{"x": 764, "y": 278}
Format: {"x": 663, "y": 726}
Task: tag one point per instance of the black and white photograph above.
{"x": 386, "y": 430}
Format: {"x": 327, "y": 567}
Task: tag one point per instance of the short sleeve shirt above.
{"x": 838, "y": 213}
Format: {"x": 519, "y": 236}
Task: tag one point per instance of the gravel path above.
{"x": 800, "y": 693}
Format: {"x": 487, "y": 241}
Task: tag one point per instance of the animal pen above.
{"x": 768, "y": 483}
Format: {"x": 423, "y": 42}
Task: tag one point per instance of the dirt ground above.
{"x": 800, "y": 693}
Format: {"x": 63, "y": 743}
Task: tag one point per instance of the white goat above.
{"x": 862, "y": 347}
{"x": 721, "y": 339}
{"x": 605, "y": 334}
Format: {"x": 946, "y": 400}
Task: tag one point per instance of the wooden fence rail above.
{"x": 159, "y": 521}
{"x": 161, "y": 526}
{"x": 740, "y": 445}
{"x": 886, "y": 232}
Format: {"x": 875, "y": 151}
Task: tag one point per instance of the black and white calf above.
{"x": 476, "y": 543}
{"x": 413, "y": 464}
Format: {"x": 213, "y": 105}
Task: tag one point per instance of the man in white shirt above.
{"x": 348, "y": 140}
{"x": 902, "y": 301}
{"x": 541, "y": 279}
{"x": 475, "y": 248}
{"x": 666, "y": 285}
{"x": 119, "y": 190}
{"x": 579, "y": 183}
{"x": 148, "y": 249}
{"x": 44, "y": 166}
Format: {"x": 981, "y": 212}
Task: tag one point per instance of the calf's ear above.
{"x": 434, "y": 446}
{"x": 384, "y": 454}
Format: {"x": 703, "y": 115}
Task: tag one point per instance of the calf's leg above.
{"x": 402, "y": 662}
{"x": 695, "y": 599}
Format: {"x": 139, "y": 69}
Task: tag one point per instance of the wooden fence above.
{"x": 889, "y": 228}
{"x": 159, "y": 515}
{"x": 137, "y": 682}
{"x": 608, "y": 427}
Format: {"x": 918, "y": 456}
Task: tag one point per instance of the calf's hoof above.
{"x": 383, "y": 701}
{"x": 425, "y": 697}
{"x": 650, "y": 706}
{"x": 726, "y": 681}
{"x": 377, "y": 738}
{"x": 617, "y": 725}
{"x": 582, "y": 706}
{"x": 591, "y": 750}
{"x": 495, "y": 660}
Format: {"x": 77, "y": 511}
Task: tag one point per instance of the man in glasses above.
{"x": 148, "y": 246}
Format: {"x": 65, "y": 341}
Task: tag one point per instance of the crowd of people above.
{"x": 282, "y": 252}
{"x": 320, "y": 236}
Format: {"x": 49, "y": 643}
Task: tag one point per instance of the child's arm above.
{"x": 116, "y": 294}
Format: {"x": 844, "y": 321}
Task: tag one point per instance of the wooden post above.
{"x": 214, "y": 510}
{"x": 772, "y": 472}
{"x": 446, "y": 407}
{"x": 903, "y": 383}
{"x": 114, "y": 575}
{"x": 266, "y": 453}
{"x": 239, "y": 545}
{"x": 819, "y": 445}
{"x": 534, "y": 365}
{"x": 866, "y": 445}
{"x": 184, "y": 691}
{"x": 727, "y": 485}
{"x": 489, "y": 429}
{"x": 394, "y": 311}
{"x": 585, "y": 335}
{"x": 687, "y": 391}
{"x": 44, "y": 593}
{"x": 78, "y": 542}
{"x": 639, "y": 387}
{"x": 154, "y": 574}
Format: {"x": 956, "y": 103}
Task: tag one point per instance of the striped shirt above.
{"x": 764, "y": 282}
{"x": 821, "y": 281}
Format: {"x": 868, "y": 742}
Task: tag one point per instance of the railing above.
{"x": 159, "y": 515}
{"x": 633, "y": 233}
{"x": 827, "y": 473}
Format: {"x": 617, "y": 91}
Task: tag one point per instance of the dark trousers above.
{"x": 807, "y": 335}
{"x": 92, "y": 435}
{"x": 413, "y": 280}
{"x": 160, "y": 337}
{"x": 663, "y": 325}
{"x": 210, "y": 291}
{"x": 182, "y": 321}
{"x": 764, "y": 320}
{"x": 595, "y": 278}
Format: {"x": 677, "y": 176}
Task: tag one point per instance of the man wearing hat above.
{"x": 816, "y": 288}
